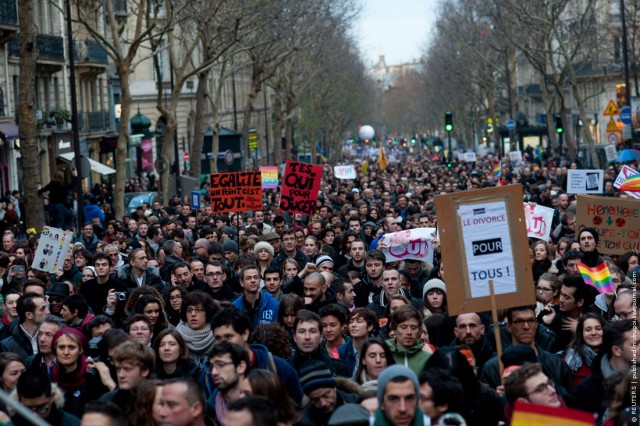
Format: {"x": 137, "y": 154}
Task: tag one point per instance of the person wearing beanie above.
{"x": 434, "y": 294}
{"x": 320, "y": 386}
{"x": 263, "y": 252}
{"x": 324, "y": 263}
{"x": 398, "y": 396}
{"x": 230, "y": 251}
{"x": 588, "y": 239}
{"x": 350, "y": 415}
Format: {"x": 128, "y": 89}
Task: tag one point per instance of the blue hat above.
{"x": 393, "y": 372}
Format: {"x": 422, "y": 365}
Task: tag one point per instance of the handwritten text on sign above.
{"x": 539, "y": 220}
{"x": 344, "y": 172}
{"x": 487, "y": 244}
{"x": 52, "y": 249}
{"x": 300, "y": 187}
{"x": 410, "y": 244}
{"x": 616, "y": 219}
{"x": 236, "y": 191}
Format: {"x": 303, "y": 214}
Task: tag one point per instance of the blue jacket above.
{"x": 348, "y": 353}
{"x": 265, "y": 313}
{"x": 91, "y": 211}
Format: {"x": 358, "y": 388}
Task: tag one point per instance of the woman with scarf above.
{"x": 71, "y": 372}
{"x": 197, "y": 310}
{"x": 584, "y": 347}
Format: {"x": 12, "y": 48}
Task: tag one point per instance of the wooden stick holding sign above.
{"x": 496, "y": 328}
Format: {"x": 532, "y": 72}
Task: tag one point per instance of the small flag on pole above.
{"x": 495, "y": 172}
{"x": 598, "y": 277}
{"x": 382, "y": 160}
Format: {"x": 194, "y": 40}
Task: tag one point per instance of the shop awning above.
{"x": 95, "y": 165}
{"x": 9, "y": 130}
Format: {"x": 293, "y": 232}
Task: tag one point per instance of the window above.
{"x": 163, "y": 60}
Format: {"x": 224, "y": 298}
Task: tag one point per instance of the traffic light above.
{"x": 559, "y": 128}
{"x": 413, "y": 141}
{"x": 448, "y": 122}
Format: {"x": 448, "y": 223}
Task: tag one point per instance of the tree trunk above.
{"x": 123, "y": 139}
{"x": 27, "y": 117}
{"x": 167, "y": 152}
{"x": 277, "y": 131}
{"x": 289, "y": 138}
{"x": 199, "y": 125}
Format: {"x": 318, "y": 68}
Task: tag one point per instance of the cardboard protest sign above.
{"x": 483, "y": 237}
{"x": 52, "y": 249}
{"x": 344, "y": 172}
{"x": 617, "y": 221}
{"x": 625, "y": 173}
{"x": 236, "y": 191}
{"x": 269, "y": 177}
{"x": 539, "y": 220}
{"x": 585, "y": 181}
{"x": 300, "y": 188}
{"x": 410, "y": 244}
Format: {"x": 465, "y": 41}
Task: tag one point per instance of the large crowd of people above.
{"x": 170, "y": 316}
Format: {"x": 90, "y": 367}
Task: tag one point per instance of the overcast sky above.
{"x": 399, "y": 28}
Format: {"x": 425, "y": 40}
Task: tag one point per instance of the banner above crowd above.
{"x": 410, "y": 244}
{"x": 300, "y": 188}
{"x": 236, "y": 191}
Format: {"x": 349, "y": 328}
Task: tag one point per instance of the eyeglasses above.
{"x": 195, "y": 310}
{"x": 39, "y": 409}
{"x": 218, "y": 365}
{"x": 214, "y": 274}
{"x": 543, "y": 388}
{"x": 521, "y": 322}
{"x": 543, "y": 289}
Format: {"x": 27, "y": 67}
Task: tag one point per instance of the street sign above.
{"x": 612, "y": 126}
{"x": 612, "y": 109}
{"x": 625, "y": 115}
{"x": 228, "y": 157}
{"x": 186, "y": 157}
{"x": 612, "y": 138}
{"x": 511, "y": 125}
{"x": 196, "y": 201}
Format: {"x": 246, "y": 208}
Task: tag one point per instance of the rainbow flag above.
{"x": 495, "y": 172}
{"x": 537, "y": 152}
{"x": 632, "y": 184}
{"x": 525, "y": 414}
{"x": 598, "y": 277}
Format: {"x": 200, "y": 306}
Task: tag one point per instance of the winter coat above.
{"x": 266, "y": 311}
{"x": 347, "y": 392}
{"x": 414, "y": 357}
{"x": 57, "y": 416}
{"x": 18, "y": 342}
{"x": 151, "y": 278}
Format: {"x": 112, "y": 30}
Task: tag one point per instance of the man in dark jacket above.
{"x": 317, "y": 293}
{"x": 32, "y": 310}
{"x": 289, "y": 249}
{"x": 469, "y": 331}
{"x": 234, "y": 326}
{"x": 35, "y": 392}
{"x": 137, "y": 273}
{"x": 88, "y": 238}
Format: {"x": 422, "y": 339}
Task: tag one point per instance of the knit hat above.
{"x": 323, "y": 259}
{"x": 314, "y": 375}
{"x": 592, "y": 231}
{"x": 369, "y": 223}
{"x": 434, "y": 283}
{"x": 69, "y": 330}
{"x": 230, "y": 245}
{"x": 92, "y": 269}
{"x": 263, "y": 245}
{"x": 396, "y": 371}
{"x": 229, "y": 230}
{"x": 350, "y": 414}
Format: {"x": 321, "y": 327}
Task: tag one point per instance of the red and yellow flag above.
{"x": 525, "y": 414}
{"x": 382, "y": 160}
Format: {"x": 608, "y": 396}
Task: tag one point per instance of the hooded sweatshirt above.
{"x": 413, "y": 357}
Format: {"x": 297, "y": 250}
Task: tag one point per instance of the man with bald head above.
{"x": 317, "y": 292}
{"x": 470, "y": 332}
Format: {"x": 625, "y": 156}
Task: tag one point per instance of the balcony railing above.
{"x": 89, "y": 51}
{"x": 50, "y": 47}
{"x": 8, "y": 12}
{"x": 95, "y": 121}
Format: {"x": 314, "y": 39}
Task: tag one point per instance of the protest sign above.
{"x": 469, "y": 157}
{"x": 52, "y": 249}
{"x": 611, "y": 153}
{"x": 269, "y": 177}
{"x": 625, "y": 173}
{"x": 236, "y": 191}
{"x": 410, "y": 244}
{"x": 483, "y": 237}
{"x": 539, "y": 220}
{"x": 617, "y": 221}
{"x": 300, "y": 188}
{"x": 515, "y": 156}
{"x": 344, "y": 172}
{"x": 585, "y": 181}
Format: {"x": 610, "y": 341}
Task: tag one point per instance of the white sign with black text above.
{"x": 585, "y": 181}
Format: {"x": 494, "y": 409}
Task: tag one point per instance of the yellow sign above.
{"x": 612, "y": 126}
{"x": 612, "y": 109}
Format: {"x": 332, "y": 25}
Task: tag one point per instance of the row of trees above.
{"x": 570, "y": 49}
{"x": 299, "y": 48}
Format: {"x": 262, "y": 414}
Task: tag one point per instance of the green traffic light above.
{"x": 448, "y": 127}
{"x": 559, "y": 130}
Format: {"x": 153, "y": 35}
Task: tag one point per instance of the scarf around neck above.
{"x": 575, "y": 361}
{"x": 70, "y": 382}
{"x": 198, "y": 341}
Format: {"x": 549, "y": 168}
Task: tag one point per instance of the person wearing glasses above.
{"x": 523, "y": 326}
{"x": 215, "y": 275}
{"x": 547, "y": 293}
{"x": 35, "y": 392}
{"x": 197, "y": 310}
{"x": 529, "y": 384}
